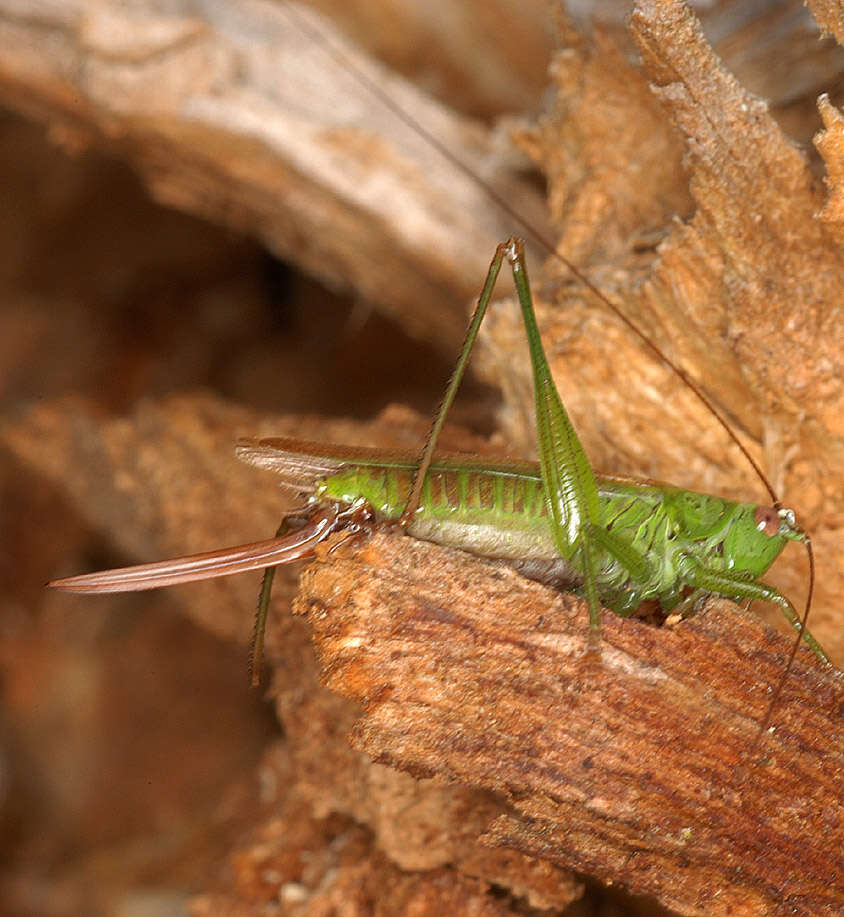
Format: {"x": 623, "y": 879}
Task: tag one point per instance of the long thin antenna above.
{"x": 337, "y": 53}
{"x": 766, "y": 720}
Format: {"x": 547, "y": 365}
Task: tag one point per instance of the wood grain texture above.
{"x": 635, "y": 769}
{"x": 232, "y": 113}
{"x": 505, "y": 764}
{"x": 742, "y": 290}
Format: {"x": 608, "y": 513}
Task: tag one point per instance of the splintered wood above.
{"x": 744, "y": 294}
{"x": 634, "y": 769}
{"x": 491, "y": 767}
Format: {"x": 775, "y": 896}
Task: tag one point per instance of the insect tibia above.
{"x": 592, "y": 652}
{"x": 353, "y": 519}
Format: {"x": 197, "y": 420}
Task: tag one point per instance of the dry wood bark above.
{"x": 177, "y": 487}
{"x": 233, "y": 114}
{"x": 635, "y": 770}
{"x": 227, "y": 111}
{"x": 830, "y": 144}
{"x": 470, "y": 675}
{"x": 744, "y": 293}
{"x": 830, "y": 16}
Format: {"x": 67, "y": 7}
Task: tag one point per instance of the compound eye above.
{"x": 767, "y": 520}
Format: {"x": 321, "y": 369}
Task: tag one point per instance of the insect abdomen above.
{"x": 490, "y": 513}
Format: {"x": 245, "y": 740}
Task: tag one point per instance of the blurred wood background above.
{"x": 211, "y": 230}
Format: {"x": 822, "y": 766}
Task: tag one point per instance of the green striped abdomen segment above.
{"x": 467, "y": 493}
{"x": 491, "y": 513}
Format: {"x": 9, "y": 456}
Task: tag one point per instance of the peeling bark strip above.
{"x": 634, "y": 770}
